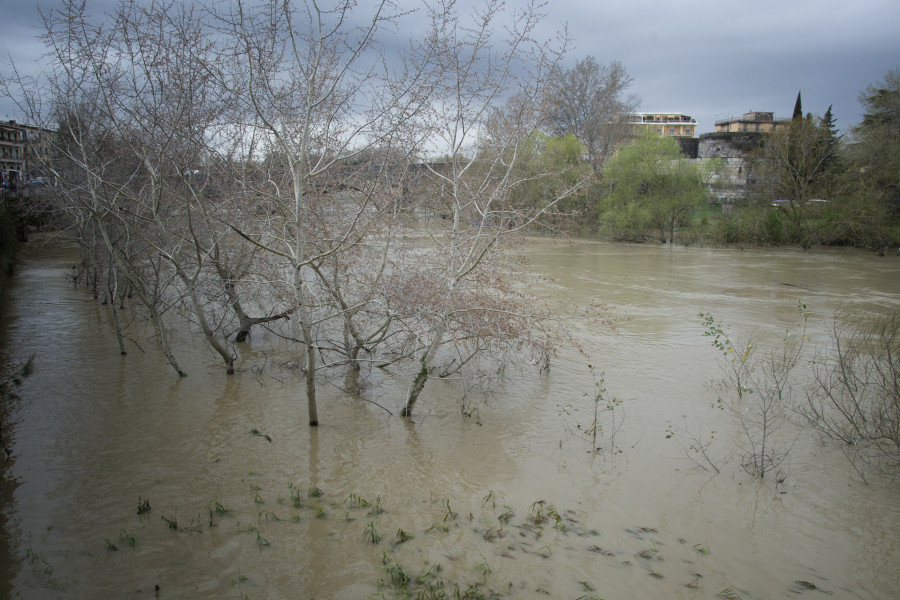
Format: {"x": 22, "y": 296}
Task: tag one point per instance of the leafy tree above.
{"x": 882, "y": 103}
{"x": 652, "y": 187}
{"x": 876, "y": 153}
{"x": 795, "y": 166}
{"x": 550, "y": 166}
{"x": 586, "y": 102}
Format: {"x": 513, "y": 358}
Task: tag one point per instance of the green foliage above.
{"x": 216, "y": 508}
{"x": 829, "y": 192}
{"x": 651, "y": 189}
{"x": 817, "y": 183}
{"x": 403, "y": 536}
{"x": 370, "y": 533}
{"x": 798, "y": 107}
{"x": 717, "y": 331}
{"x": 551, "y": 167}
{"x": 875, "y": 157}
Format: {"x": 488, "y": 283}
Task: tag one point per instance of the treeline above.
{"x": 804, "y": 184}
{"x": 812, "y": 186}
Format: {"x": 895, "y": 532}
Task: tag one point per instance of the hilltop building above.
{"x": 12, "y": 151}
{"x": 663, "y": 124}
{"x": 752, "y": 122}
{"x": 20, "y": 147}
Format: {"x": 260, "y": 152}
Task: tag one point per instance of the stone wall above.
{"x": 735, "y": 150}
{"x": 729, "y": 145}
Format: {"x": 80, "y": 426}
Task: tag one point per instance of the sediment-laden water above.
{"x": 246, "y": 501}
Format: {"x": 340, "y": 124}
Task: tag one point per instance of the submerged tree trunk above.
{"x": 418, "y": 383}
{"x": 309, "y": 344}
{"x": 208, "y": 333}
{"x": 351, "y": 381}
{"x": 164, "y": 339}
{"x": 310, "y": 374}
{"x": 111, "y": 301}
{"x": 245, "y": 321}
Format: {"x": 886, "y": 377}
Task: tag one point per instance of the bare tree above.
{"x": 136, "y": 114}
{"x": 855, "y": 398}
{"x": 590, "y": 101}
{"x": 760, "y": 384}
{"x": 239, "y": 164}
{"x": 308, "y": 81}
{"x": 462, "y": 293}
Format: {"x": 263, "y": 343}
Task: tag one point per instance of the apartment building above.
{"x": 663, "y": 124}
{"x": 753, "y": 121}
{"x": 12, "y": 151}
{"x": 20, "y": 146}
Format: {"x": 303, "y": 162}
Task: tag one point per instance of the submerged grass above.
{"x": 370, "y": 533}
{"x": 496, "y": 534}
{"x": 143, "y": 505}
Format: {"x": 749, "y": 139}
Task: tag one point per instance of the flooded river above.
{"x": 246, "y": 501}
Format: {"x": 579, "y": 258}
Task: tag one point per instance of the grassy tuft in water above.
{"x": 143, "y": 505}
{"x": 403, "y": 536}
{"x": 296, "y": 498}
{"x": 216, "y": 508}
{"x": 377, "y": 509}
{"x": 370, "y": 533}
{"x": 356, "y": 501}
{"x": 127, "y": 538}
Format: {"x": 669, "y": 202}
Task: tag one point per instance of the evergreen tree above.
{"x": 830, "y": 148}
{"x": 831, "y": 139}
{"x": 798, "y": 108}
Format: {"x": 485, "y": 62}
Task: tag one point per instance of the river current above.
{"x": 504, "y": 499}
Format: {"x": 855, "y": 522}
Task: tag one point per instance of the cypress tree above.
{"x": 798, "y": 108}
{"x": 831, "y": 149}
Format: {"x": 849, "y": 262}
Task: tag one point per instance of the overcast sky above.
{"x": 711, "y": 59}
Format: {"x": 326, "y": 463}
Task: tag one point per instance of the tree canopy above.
{"x": 651, "y": 188}
{"x": 587, "y": 101}
{"x": 876, "y": 151}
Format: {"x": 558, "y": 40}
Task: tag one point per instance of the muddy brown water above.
{"x": 94, "y": 431}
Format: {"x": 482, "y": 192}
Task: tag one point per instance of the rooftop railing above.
{"x": 746, "y": 119}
